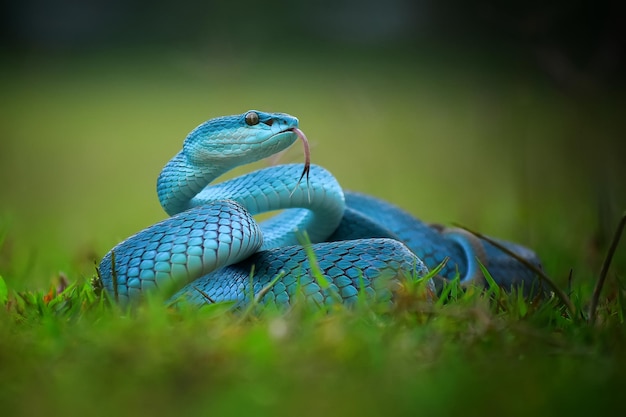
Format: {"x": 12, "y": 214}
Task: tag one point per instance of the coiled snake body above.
{"x": 213, "y": 247}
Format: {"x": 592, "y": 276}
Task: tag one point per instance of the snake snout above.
{"x": 283, "y": 119}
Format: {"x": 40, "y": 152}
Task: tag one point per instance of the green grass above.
{"x": 502, "y": 152}
{"x": 467, "y": 352}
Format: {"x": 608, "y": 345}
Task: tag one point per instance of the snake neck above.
{"x": 180, "y": 181}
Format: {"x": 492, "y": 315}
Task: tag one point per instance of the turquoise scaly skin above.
{"x": 211, "y": 243}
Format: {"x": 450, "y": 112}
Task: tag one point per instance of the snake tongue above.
{"x": 307, "y": 155}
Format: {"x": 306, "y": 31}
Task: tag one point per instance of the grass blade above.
{"x": 4, "y": 291}
{"x": 593, "y": 305}
{"x": 542, "y": 275}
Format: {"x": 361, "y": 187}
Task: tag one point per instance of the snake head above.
{"x": 240, "y": 139}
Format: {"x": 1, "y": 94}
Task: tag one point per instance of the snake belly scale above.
{"x": 211, "y": 248}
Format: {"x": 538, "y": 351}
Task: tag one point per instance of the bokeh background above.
{"x": 505, "y": 117}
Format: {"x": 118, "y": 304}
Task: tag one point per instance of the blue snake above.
{"x": 213, "y": 248}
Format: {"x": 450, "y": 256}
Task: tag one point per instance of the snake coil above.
{"x": 211, "y": 242}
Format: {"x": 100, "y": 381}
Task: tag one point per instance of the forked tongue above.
{"x": 307, "y": 159}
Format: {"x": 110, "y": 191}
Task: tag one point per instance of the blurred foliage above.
{"x": 507, "y": 118}
{"x": 486, "y": 142}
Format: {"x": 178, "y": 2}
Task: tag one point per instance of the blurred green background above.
{"x": 505, "y": 118}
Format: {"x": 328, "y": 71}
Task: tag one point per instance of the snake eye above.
{"x": 252, "y": 118}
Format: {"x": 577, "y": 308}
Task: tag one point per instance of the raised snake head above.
{"x": 240, "y": 139}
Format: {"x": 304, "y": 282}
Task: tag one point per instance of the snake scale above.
{"x": 213, "y": 248}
